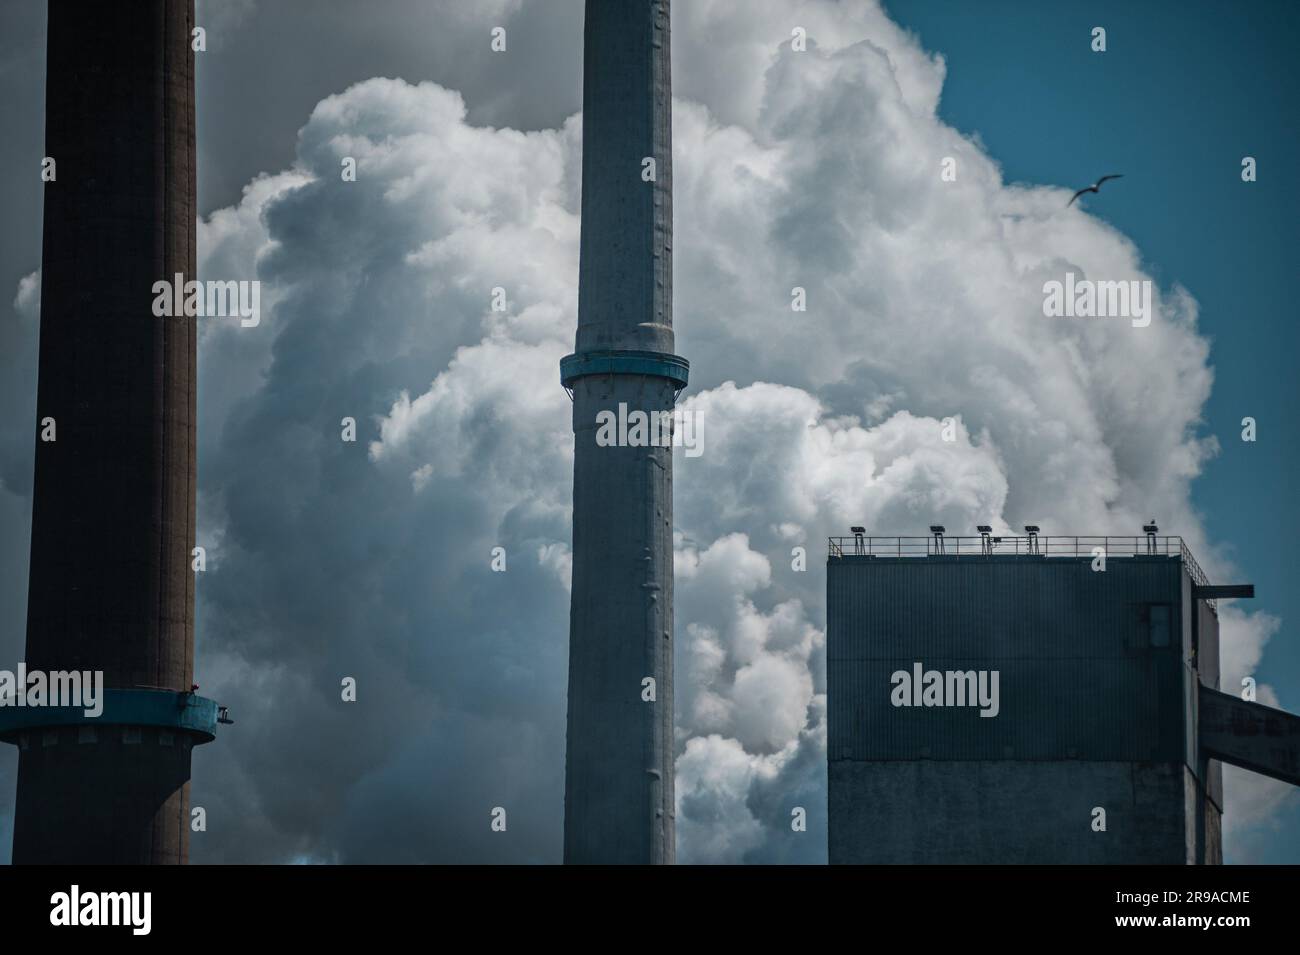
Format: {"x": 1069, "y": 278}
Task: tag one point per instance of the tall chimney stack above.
{"x": 618, "y": 792}
{"x": 111, "y": 587}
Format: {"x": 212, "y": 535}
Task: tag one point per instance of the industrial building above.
{"x": 1032, "y": 699}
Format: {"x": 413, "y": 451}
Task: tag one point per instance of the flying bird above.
{"x": 1095, "y": 187}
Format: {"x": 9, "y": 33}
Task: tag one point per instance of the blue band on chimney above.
{"x": 658, "y": 364}
{"x": 165, "y": 709}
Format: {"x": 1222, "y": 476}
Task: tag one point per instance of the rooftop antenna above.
{"x": 937, "y": 531}
{"x": 1150, "y": 530}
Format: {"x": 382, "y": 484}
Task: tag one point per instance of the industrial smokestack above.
{"x": 619, "y": 804}
{"x": 111, "y": 587}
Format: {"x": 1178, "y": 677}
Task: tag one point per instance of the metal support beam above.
{"x": 1250, "y": 735}
{"x": 1217, "y": 591}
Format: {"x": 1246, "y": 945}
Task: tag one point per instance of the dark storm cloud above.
{"x": 268, "y": 63}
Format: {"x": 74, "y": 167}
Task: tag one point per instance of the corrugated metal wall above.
{"x": 1207, "y": 658}
{"x": 1079, "y": 676}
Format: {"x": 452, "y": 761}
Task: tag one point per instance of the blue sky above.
{"x": 1183, "y": 92}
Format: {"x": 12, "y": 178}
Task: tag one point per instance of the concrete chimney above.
{"x": 111, "y": 587}
{"x": 619, "y": 805}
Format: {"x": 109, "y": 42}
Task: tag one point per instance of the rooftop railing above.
{"x": 990, "y": 545}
